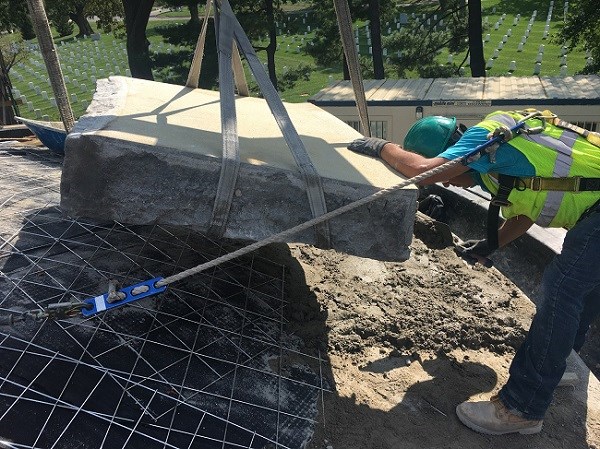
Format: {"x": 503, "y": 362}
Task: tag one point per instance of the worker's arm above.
{"x": 478, "y": 250}
{"x": 412, "y": 164}
{"x": 513, "y": 228}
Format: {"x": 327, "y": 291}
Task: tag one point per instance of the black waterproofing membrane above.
{"x": 207, "y": 364}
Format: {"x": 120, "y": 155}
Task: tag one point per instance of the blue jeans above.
{"x": 571, "y": 301}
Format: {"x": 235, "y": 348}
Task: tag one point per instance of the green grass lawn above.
{"x": 108, "y": 56}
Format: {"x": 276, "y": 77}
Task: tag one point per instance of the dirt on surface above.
{"x": 404, "y": 343}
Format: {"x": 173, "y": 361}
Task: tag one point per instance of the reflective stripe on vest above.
{"x": 562, "y": 165}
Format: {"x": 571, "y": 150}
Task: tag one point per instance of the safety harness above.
{"x": 506, "y": 183}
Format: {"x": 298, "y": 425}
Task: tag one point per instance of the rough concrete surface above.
{"x": 150, "y": 153}
{"x": 407, "y": 342}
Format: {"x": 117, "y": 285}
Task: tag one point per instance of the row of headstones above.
{"x": 71, "y": 74}
{"x": 72, "y": 58}
{"x": 42, "y": 93}
{"x": 509, "y": 31}
{"x": 161, "y": 48}
{"x": 505, "y": 38}
{"x": 37, "y": 91}
{"x": 91, "y": 57}
{"x": 512, "y": 66}
{"x": 96, "y": 42}
{"x": 296, "y": 49}
{"x": 537, "y": 68}
{"x": 38, "y": 112}
{"x": 88, "y": 62}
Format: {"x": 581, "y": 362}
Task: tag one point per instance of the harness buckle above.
{"x": 500, "y": 203}
{"x": 536, "y": 183}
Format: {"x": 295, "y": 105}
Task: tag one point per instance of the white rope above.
{"x": 281, "y": 236}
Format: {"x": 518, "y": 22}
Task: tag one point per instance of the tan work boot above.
{"x": 493, "y": 418}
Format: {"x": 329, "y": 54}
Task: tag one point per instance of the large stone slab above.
{"x": 148, "y": 152}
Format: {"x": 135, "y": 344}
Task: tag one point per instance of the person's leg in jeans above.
{"x": 590, "y": 313}
{"x": 568, "y": 282}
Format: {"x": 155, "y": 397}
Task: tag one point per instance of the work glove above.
{"x": 369, "y": 146}
{"x": 433, "y": 206}
{"x": 475, "y": 251}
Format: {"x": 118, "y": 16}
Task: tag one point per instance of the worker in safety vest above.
{"x": 548, "y": 175}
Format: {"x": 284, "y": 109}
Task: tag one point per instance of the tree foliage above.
{"x": 79, "y": 11}
{"x": 415, "y": 47}
{"x": 192, "y": 5}
{"x": 15, "y": 15}
{"x": 327, "y": 48}
{"x": 582, "y": 27}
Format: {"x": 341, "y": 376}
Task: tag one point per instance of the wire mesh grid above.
{"x": 206, "y": 364}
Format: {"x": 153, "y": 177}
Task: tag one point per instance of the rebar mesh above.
{"x": 206, "y": 364}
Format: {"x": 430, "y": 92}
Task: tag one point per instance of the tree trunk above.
{"x": 137, "y": 14}
{"x": 475, "y": 40}
{"x": 272, "y": 42}
{"x": 85, "y": 29}
{"x": 375, "y": 26}
{"x": 194, "y": 13}
{"x": 9, "y": 107}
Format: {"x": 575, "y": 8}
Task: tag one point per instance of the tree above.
{"x": 7, "y": 103}
{"x": 258, "y": 18}
{"x": 16, "y": 15}
{"x": 59, "y": 11}
{"x": 475, "y": 42}
{"x": 137, "y": 15}
{"x": 192, "y": 5}
{"x": 11, "y": 52}
{"x": 581, "y": 28}
{"x": 376, "y": 47}
{"x": 78, "y": 11}
{"x": 328, "y": 49}
{"x": 416, "y": 46}
{"x": 63, "y": 24}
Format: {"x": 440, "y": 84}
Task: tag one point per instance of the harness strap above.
{"x": 566, "y": 184}
{"x": 505, "y": 185}
{"x": 590, "y": 136}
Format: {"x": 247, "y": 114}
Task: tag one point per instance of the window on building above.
{"x": 378, "y": 128}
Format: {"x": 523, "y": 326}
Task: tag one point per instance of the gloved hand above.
{"x": 369, "y": 146}
{"x": 475, "y": 251}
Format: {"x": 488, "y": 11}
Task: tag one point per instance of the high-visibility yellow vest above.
{"x": 555, "y": 152}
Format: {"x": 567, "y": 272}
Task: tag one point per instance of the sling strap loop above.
{"x": 344, "y": 19}
{"x": 194, "y": 73}
{"x": 312, "y": 179}
{"x": 231, "y": 147}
